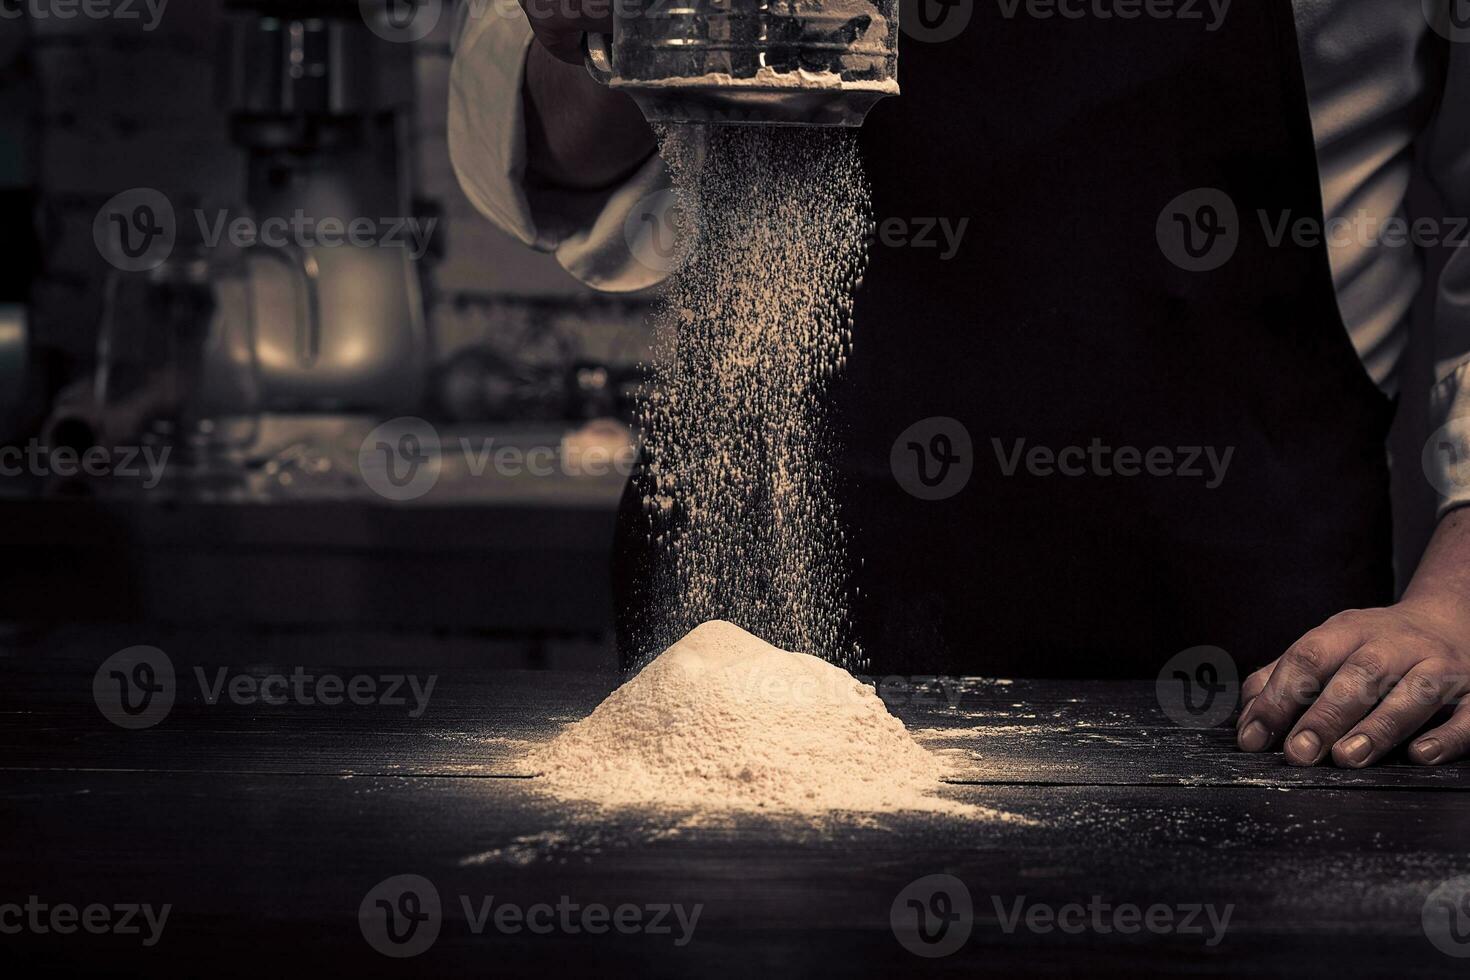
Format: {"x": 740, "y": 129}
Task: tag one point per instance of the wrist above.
{"x": 579, "y": 133}
{"x": 1441, "y": 585}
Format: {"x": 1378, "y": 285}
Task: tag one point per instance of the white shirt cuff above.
{"x": 487, "y": 147}
{"x": 1447, "y": 456}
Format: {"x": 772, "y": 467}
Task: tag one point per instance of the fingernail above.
{"x": 1356, "y": 749}
{"x": 1429, "y": 750}
{"x": 1245, "y": 711}
{"x": 1305, "y": 748}
{"x": 1255, "y": 738}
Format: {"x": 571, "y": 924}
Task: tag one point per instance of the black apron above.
{"x": 1081, "y": 318}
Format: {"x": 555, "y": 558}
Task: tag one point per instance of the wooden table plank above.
{"x": 482, "y": 723}
{"x": 267, "y": 872}
{"x": 266, "y": 826}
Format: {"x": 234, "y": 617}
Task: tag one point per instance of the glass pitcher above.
{"x": 177, "y": 354}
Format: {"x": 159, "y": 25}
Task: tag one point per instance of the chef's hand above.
{"x": 579, "y": 134}
{"x": 560, "y": 24}
{"x": 1367, "y": 680}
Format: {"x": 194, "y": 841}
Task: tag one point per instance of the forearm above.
{"x": 579, "y": 134}
{"x": 1443, "y": 576}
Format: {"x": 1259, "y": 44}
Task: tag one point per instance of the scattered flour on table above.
{"x": 723, "y": 721}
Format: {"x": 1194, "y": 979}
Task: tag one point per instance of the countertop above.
{"x": 267, "y": 828}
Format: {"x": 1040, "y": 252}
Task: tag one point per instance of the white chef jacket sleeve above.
{"x": 1448, "y": 161}
{"x": 487, "y": 147}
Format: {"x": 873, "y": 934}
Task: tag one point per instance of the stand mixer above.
{"x": 322, "y": 108}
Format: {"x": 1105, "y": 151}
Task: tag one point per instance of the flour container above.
{"x": 751, "y": 62}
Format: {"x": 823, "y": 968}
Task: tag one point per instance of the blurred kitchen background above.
{"x": 263, "y": 369}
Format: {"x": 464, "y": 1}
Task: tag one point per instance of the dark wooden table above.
{"x": 266, "y": 827}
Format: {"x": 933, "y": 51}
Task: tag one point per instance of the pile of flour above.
{"x": 724, "y": 721}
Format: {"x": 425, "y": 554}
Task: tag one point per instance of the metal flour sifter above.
{"x": 751, "y": 62}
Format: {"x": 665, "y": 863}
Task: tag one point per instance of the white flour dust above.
{"x": 723, "y": 721}
{"x": 742, "y": 513}
{"x": 750, "y": 331}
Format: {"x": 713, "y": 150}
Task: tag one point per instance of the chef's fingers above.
{"x": 1449, "y": 742}
{"x": 559, "y": 25}
{"x": 1256, "y": 683}
{"x": 1357, "y": 687}
{"x": 1299, "y": 675}
{"x": 1406, "y": 709}
{"x": 1251, "y": 689}
{"x": 570, "y": 15}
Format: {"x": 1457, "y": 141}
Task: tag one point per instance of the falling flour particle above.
{"x": 724, "y": 721}
{"x": 751, "y": 328}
